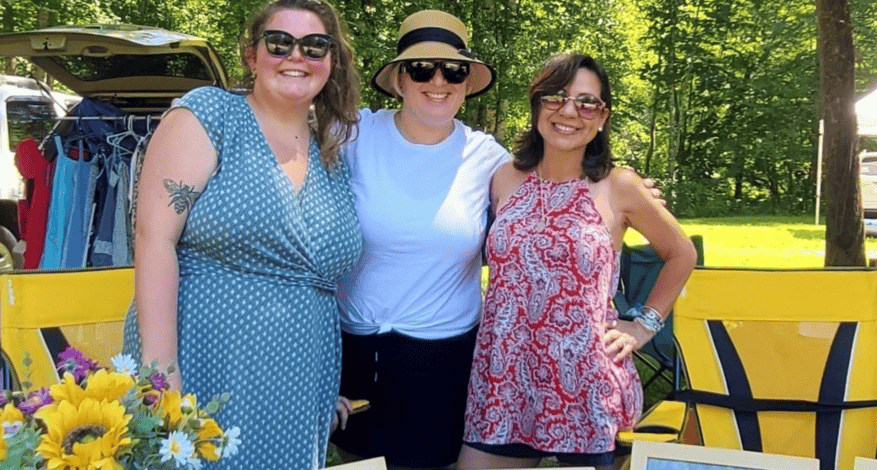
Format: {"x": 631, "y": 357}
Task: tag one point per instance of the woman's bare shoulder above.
{"x": 506, "y": 182}
{"x": 625, "y": 182}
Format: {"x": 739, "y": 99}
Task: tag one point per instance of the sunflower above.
{"x": 67, "y": 390}
{"x": 102, "y": 385}
{"x": 108, "y": 385}
{"x": 11, "y": 420}
{"x": 174, "y": 408}
{"x": 10, "y": 414}
{"x": 85, "y": 437}
{"x": 208, "y": 434}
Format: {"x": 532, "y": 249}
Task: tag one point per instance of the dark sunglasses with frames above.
{"x": 313, "y": 46}
{"x": 422, "y": 71}
{"x": 587, "y": 105}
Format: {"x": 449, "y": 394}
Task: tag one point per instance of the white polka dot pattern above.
{"x": 259, "y": 265}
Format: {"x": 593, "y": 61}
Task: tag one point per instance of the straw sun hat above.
{"x": 433, "y": 34}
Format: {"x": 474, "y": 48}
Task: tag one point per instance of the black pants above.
{"x": 417, "y": 389}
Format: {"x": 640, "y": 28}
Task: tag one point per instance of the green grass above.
{"x": 760, "y": 242}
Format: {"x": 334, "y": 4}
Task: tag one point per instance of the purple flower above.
{"x": 150, "y": 399}
{"x": 158, "y": 381}
{"x": 73, "y": 361}
{"x": 35, "y": 401}
{"x": 5, "y": 398}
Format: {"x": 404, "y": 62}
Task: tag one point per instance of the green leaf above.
{"x": 212, "y": 407}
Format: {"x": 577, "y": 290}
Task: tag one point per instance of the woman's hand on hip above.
{"x": 623, "y": 338}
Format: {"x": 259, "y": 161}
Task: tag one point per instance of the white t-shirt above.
{"x": 423, "y": 212}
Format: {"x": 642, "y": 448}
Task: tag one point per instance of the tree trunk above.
{"x": 844, "y": 231}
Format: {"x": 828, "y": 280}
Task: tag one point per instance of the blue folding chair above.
{"x": 640, "y": 265}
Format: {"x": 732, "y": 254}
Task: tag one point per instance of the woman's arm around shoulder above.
{"x": 504, "y": 185}
{"x": 179, "y": 161}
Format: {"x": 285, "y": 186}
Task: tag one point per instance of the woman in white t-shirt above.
{"x": 410, "y": 307}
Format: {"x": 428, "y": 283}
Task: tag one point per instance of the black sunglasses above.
{"x": 587, "y": 105}
{"x": 281, "y": 44}
{"x": 422, "y": 71}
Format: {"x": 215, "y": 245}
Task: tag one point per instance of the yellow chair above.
{"x": 44, "y": 312}
{"x": 782, "y": 362}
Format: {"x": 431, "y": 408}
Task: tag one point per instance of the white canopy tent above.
{"x": 866, "y": 116}
{"x": 866, "y": 113}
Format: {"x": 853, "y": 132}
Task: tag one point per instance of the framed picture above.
{"x": 863, "y": 463}
{"x": 376, "y": 463}
{"x": 663, "y": 456}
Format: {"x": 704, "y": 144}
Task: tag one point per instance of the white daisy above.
{"x": 187, "y": 405}
{"x": 11, "y": 428}
{"x": 124, "y": 364}
{"x": 177, "y": 446}
{"x": 230, "y": 441}
{"x": 194, "y": 463}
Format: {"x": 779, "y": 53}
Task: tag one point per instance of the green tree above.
{"x": 844, "y": 232}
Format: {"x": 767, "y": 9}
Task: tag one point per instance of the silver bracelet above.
{"x": 649, "y": 319}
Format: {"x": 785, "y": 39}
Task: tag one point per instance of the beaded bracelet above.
{"x": 649, "y": 319}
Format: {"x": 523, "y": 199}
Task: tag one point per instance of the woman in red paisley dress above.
{"x": 552, "y": 374}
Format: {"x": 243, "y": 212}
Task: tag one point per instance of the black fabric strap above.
{"x": 55, "y": 341}
{"x": 430, "y": 35}
{"x": 738, "y": 385}
{"x": 757, "y": 405}
{"x": 833, "y": 390}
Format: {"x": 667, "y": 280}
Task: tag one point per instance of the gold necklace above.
{"x": 543, "y": 203}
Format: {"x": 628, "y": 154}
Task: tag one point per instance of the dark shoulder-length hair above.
{"x": 555, "y": 75}
{"x": 336, "y": 107}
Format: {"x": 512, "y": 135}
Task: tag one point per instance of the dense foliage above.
{"x": 716, "y": 99}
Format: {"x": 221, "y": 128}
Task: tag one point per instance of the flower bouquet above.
{"x": 111, "y": 419}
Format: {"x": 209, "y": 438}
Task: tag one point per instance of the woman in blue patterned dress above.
{"x": 245, "y": 224}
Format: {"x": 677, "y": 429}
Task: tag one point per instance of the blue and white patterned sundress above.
{"x": 259, "y": 265}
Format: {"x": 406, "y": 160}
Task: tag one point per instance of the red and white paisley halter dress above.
{"x": 540, "y": 375}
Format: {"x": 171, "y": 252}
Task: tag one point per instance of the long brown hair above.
{"x": 558, "y": 72}
{"x": 336, "y": 107}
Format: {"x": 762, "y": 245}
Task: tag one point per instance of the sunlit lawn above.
{"x": 761, "y": 242}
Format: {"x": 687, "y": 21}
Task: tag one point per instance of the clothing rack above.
{"x": 108, "y": 118}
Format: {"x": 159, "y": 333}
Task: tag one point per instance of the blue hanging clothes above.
{"x": 86, "y": 187}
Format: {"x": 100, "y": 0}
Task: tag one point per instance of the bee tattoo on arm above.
{"x": 182, "y": 196}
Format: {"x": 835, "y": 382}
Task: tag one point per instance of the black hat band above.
{"x": 430, "y": 35}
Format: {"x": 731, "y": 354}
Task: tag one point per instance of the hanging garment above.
{"x": 110, "y": 245}
{"x": 59, "y": 207}
{"x": 72, "y": 212}
{"x": 33, "y": 210}
{"x": 81, "y": 212}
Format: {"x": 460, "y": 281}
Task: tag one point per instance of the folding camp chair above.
{"x": 782, "y": 362}
{"x": 44, "y": 312}
{"x": 640, "y": 265}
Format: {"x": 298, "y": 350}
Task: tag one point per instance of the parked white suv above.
{"x": 868, "y": 178}
{"x": 25, "y": 111}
